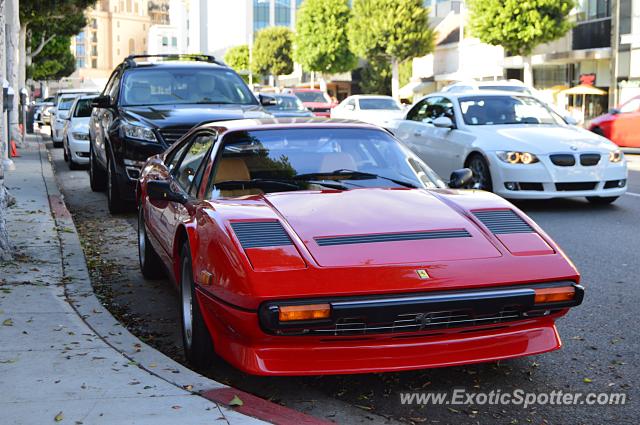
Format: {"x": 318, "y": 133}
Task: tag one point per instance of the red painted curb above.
{"x": 58, "y": 207}
{"x": 260, "y": 408}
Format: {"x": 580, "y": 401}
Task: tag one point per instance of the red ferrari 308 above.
{"x": 327, "y": 247}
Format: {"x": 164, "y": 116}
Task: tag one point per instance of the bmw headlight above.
{"x": 616, "y": 156}
{"x": 139, "y": 132}
{"x": 512, "y": 157}
{"x": 80, "y": 136}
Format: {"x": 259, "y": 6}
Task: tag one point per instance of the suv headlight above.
{"x": 616, "y": 156}
{"x": 512, "y": 157}
{"x": 139, "y": 132}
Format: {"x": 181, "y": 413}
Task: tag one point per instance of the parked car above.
{"x": 372, "y": 109}
{"x": 39, "y": 108}
{"x": 329, "y": 248}
{"x": 60, "y": 113}
{"x": 515, "y": 86}
{"x": 147, "y": 106}
{"x": 287, "y": 105}
{"x": 317, "y": 101}
{"x": 516, "y": 146}
{"x": 620, "y": 125}
{"x": 75, "y": 139}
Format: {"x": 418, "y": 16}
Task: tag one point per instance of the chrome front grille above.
{"x": 170, "y": 135}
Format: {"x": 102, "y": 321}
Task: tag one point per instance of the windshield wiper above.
{"x": 291, "y": 183}
{"x": 356, "y": 174}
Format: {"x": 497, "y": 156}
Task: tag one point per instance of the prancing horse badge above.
{"x": 422, "y": 274}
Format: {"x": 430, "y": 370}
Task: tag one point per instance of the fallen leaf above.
{"x": 7, "y": 322}
{"x": 58, "y": 417}
{"x": 587, "y": 380}
{"x": 236, "y": 401}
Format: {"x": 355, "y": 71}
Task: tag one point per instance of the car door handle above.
{"x": 417, "y": 133}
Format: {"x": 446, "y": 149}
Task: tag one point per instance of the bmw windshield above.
{"x": 500, "y": 110}
{"x": 177, "y": 86}
{"x": 264, "y": 161}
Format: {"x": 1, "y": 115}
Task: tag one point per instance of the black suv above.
{"x": 147, "y": 106}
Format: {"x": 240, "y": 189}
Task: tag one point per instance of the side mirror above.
{"x": 570, "y": 120}
{"x": 158, "y": 190}
{"x": 461, "y": 178}
{"x": 443, "y": 122}
{"x": 101, "y": 102}
{"x": 266, "y": 100}
{"x": 614, "y": 111}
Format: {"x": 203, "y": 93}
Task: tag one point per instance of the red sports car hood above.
{"x": 380, "y": 226}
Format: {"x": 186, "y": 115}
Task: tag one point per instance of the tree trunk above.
{"x": 395, "y": 79}
{"x": 527, "y": 71}
{"x": 22, "y": 70}
{"x": 5, "y": 248}
{"x": 12, "y": 48}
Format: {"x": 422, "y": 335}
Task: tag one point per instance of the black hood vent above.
{"x": 392, "y": 237}
{"x": 503, "y": 221}
{"x": 260, "y": 234}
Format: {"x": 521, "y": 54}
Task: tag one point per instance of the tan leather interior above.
{"x": 231, "y": 169}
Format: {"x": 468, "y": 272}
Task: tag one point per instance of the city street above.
{"x": 600, "y": 339}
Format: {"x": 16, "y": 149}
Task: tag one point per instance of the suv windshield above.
{"x": 162, "y": 86}
{"x": 83, "y": 108}
{"x": 313, "y": 96}
{"x": 287, "y": 103}
{"x": 265, "y": 161}
{"x": 65, "y": 102}
{"x": 381, "y": 103}
{"x": 496, "y": 110}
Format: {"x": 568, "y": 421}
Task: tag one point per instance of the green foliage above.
{"x": 390, "y": 29}
{"x": 321, "y": 42}
{"x": 237, "y": 58}
{"x": 376, "y": 76}
{"x": 54, "y": 62}
{"x": 272, "y": 51}
{"x": 517, "y": 25}
{"x": 59, "y": 17}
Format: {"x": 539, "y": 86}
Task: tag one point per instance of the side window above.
{"x": 172, "y": 159}
{"x": 351, "y": 104}
{"x": 115, "y": 88}
{"x": 442, "y": 107}
{"x": 107, "y": 88}
{"x": 185, "y": 171}
{"x": 419, "y": 111}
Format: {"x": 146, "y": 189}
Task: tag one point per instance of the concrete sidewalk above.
{"x": 63, "y": 357}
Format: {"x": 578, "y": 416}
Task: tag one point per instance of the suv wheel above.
{"x": 114, "y": 202}
{"x": 150, "y": 264}
{"x": 97, "y": 178}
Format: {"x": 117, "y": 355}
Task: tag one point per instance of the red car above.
{"x": 316, "y": 247}
{"x": 620, "y": 125}
{"x": 317, "y": 101}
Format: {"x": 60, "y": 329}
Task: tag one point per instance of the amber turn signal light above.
{"x": 554, "y": 295}
{"x": 304, "y": 312}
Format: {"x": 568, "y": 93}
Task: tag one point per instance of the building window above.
{"x": 80, "y": 38}
{"x": 260, "y": 14}
{"x": 80, "y": 52}
{"x": 94, "y": 63}
{"x": 165, "y": 41}
{"x": 174, "y": 41}
{"x": 132, "y": 46}
{"x": 283, "y": 13}
{"x": 80, "y": 63}
{"x": 118, "y": 52}
{"x": 593, "y": 9}
{"x": 94, "y": 51}
{"x": 118, "y": 24}
{"x": 94, "y": 23}
{"x": 136, "y": 9}
{"x": 118, "y": 37}
{"x": 129, "y": 6}
{"x": 94, "y": 37}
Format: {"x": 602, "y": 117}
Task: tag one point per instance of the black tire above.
{"x": 481, "y": 172}
{"x": 97, "y": 176}
{"x": 57, "y": 144}
{"x": 150, "y": 264}
{"x": 115, "y": 203}
{"x": 65, "y": 154}
{"x": 197, "y": 342}
{"x": 604, "y": 200}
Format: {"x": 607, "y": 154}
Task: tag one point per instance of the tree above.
{"x": 237, "y": 58}
{"x": 321, "y": 43}
{"x": 390, "y": 30}
{"x": 272, "y": 52}
{"x": 54, "y": 62}
{"x": 5, "y": 248}
{"x": 519, "y": 26}
{"x": 12, "y": 35}
{"x": 376, "y": 76}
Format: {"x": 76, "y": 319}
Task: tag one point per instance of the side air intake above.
{"x": 503, "y": 221}
{"x": 260, "y": 234}
{"x": 392, "y": 237}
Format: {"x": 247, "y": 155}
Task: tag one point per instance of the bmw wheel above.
{"x": 198, "y": 346}
{"x": 481, "y": 173}
{"x": 150, "y": 264}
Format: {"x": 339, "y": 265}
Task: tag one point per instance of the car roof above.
{"x": 370, "y": 96}
{"x": 476, "y": 92}
{"x": 176, "y": 64}
{"x": 76, "y": 91}
{"x": 286, "y": 123}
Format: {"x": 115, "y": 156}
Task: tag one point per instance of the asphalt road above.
{"x": 601, "y": 338}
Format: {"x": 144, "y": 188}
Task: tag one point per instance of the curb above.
{"x": 79, "y": 294}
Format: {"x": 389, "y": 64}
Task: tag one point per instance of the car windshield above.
{"x": 163, "y": 86}
{"x": 498, "y": 110}
{"x": 313, "y": 96}
{"x": 65, "y": 102}
{"x": 380, "y": 103}
{"x": 287, "y": 103}
{"x": 83, "y": 108}
{"x": 265, "y": 161}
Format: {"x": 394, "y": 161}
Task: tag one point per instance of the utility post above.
{"x": 615, "y": 46}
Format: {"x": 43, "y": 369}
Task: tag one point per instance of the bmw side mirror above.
{"x": 101, "y": 102}
{"x": 570, "y": 120}
{"x": 267, "y": 100}
{"x": 461, "y": 178}
{"x": 159, "y": 190}
{"x": 443, "y": 122}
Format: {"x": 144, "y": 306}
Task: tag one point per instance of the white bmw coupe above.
{"x": 515, "y": 145}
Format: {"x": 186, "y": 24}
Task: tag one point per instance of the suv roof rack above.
{"x": 130, "y": 60}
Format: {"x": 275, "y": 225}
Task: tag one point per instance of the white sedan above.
{"x": 75, "y": 138}
{"x": 372, "y": 109}
{"x": 515, "y": 145}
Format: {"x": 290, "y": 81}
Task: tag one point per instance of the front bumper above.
{"x": 57, "y": 132}
{"x": 544, "y": 180}
{"x": 250, "y": 342}
{"x": 79, "y": 150}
